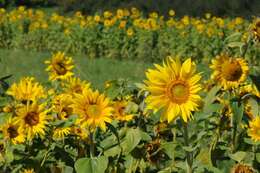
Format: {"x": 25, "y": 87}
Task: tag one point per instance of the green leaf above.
{"x": 235, "y": 44}
{"x": 238, "y": 156}
{"x": 254, "y": 106}
{"x": 258, "y": 157}
{"x": 204, "y": 156}
{"x": 132, "y": 139}
{"x": 211, "y": 96}
{"x": 91, "y": 165}
{"x": 238, "y": 113}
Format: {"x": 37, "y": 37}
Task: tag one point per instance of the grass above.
{"x": 21, "y": 63}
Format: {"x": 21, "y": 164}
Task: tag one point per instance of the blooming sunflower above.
{"x": 249, "y": 89}
{"x": 27, "y": 171}
{"x": 61, "y": 105}
{"x": 92, "y": 108}
{"x": 61, "y": 133}
{"x": 229, "y": 72}
{"x": 254, "y": 129}
{"x": 174, "y": 88}
{"x": 27, "y": 90}
{"x": 12, "y": 132}
{"x": 60, "y": 67}
{"x": 80, "y": 131}
{"x": 74, "y": 85}
{"x": 33, "y": 119}
{"x": 241, "y": 168}
{"x": 120, "y": 112}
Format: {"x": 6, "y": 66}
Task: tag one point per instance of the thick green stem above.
{"x": 186, "y": 143}
{"x": 92, "y": 144}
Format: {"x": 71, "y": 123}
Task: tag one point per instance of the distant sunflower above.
{"x": 229, "y": 72}
{"x": 61, "y": 133}
{"x": 256, "y": 29}
{"x": 254, "y": 129}
{"x": 61, "y": 105}
{"x": 12, "y": 132}
{"x": 27, "y": 90}
{"x": 242, "y": 168}
{"x": 74, "y": 85}
{"x": 27, "y": 171}
{"x": 120, "y": 112}
{"x": 93, "y": 109}
{"x": 60, "y": 67}
{"x": 174, "y": 88}
{"x": 33, "y": 119}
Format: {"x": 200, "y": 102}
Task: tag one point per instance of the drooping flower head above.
{"x": 61, "y": 105}
{"x": 27, "y": 90}
{"x": 60, "y": 67}
{"x": 173, "y": 88}
{"x": 93, "y": 109}
{"x": 229, "y": 72}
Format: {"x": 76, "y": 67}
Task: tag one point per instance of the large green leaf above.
{"x": 238, "y": 111}
{"x": 238, "y": 156}
{"x": 91, "y": 165}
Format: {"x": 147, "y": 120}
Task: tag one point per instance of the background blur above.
{"x": 246, "y": 8}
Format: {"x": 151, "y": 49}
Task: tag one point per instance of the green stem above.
{"x": 92, "y": 144}
{"x": 186, "y": 143}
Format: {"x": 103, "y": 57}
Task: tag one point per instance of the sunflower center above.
{"x": 232, "y": 71}
{"x": 32, "y": 118}
{"x": 60, "y": 68}
{"x": 93, "y": 111}
{"x": 12, "y": 131}
{"x": 179, "y": 92}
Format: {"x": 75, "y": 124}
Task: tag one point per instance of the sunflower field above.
{"x": 196, "y": 111}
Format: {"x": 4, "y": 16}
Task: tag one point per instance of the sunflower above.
{"x": 173, "y": 88}
{"x": 12, "y": 132}
{"x": 229, "y": 72}
{"x": 74, "y": 85}
{"x": 256, "y": 29}
{"x": 93, "y": 109}
{"x": 241, "y": 168}
{"x": 254, "y": 129}
{"x": 26, "y": 90}
{"x": 33, "y": 119}
{"x": 120, "y": 111}
{"x": 80, "y": 131}
{"x": 61, "y": 105}
{"x": 249, "y": 89}
{"x": 60, "y": 67}
{"x": 61, "y": 133}
{"x": 27, "y": 171}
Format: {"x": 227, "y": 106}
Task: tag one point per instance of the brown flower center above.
{"x": 60, "y": 68}
{"x": 32, "y": 118}
{"x": 12, "y": 131}
{"x": 232, "y": 70}
{"x": 178, "y": 92}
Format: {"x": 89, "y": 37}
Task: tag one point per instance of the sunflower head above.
{"x": 93, "y": 109}
{"x": 61, "y": 133}
{"x": 60, "y": 67}
{"x": 12, "y": 132}
{"x": 61, "y": 105}
{"x": 33, "y": 119}
{"x": 120, "y": 111}
{"x": 27, "y": 171}
{"x": 254, "y": 129}
{"x": 241, "y": 168}
{"x": 81, "y": 132}
{"x": 256, "y": 29}
{"x": 74, "y": 85}
{"x": 174, "y": 88}
{"x": 229, "y": 72}
{"x": 27, "y": 90}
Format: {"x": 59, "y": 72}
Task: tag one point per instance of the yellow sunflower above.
{"x": 27, "y": 90}
{"x": 93, "y": 109}
{"x": 120, "y": 112}
{"x": 242, "y": 168}
{"x": 174, "y": 88}
{"x": 74, "y": 85}
{"x": 229, "y": 72}
{"x": 33, "y": 119}
{"x": 61, "y": 105}
{"x": 256, "y": 29}
{"x": 60, "y": 67}
{"x": 27, "y": 171}
{"x": 61, "y": 133}
{"x": 254, "y": 129}
{"x": 81, "y": 132}
{"x": 249, "y": 89}
{"x": 12, "y": 132}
